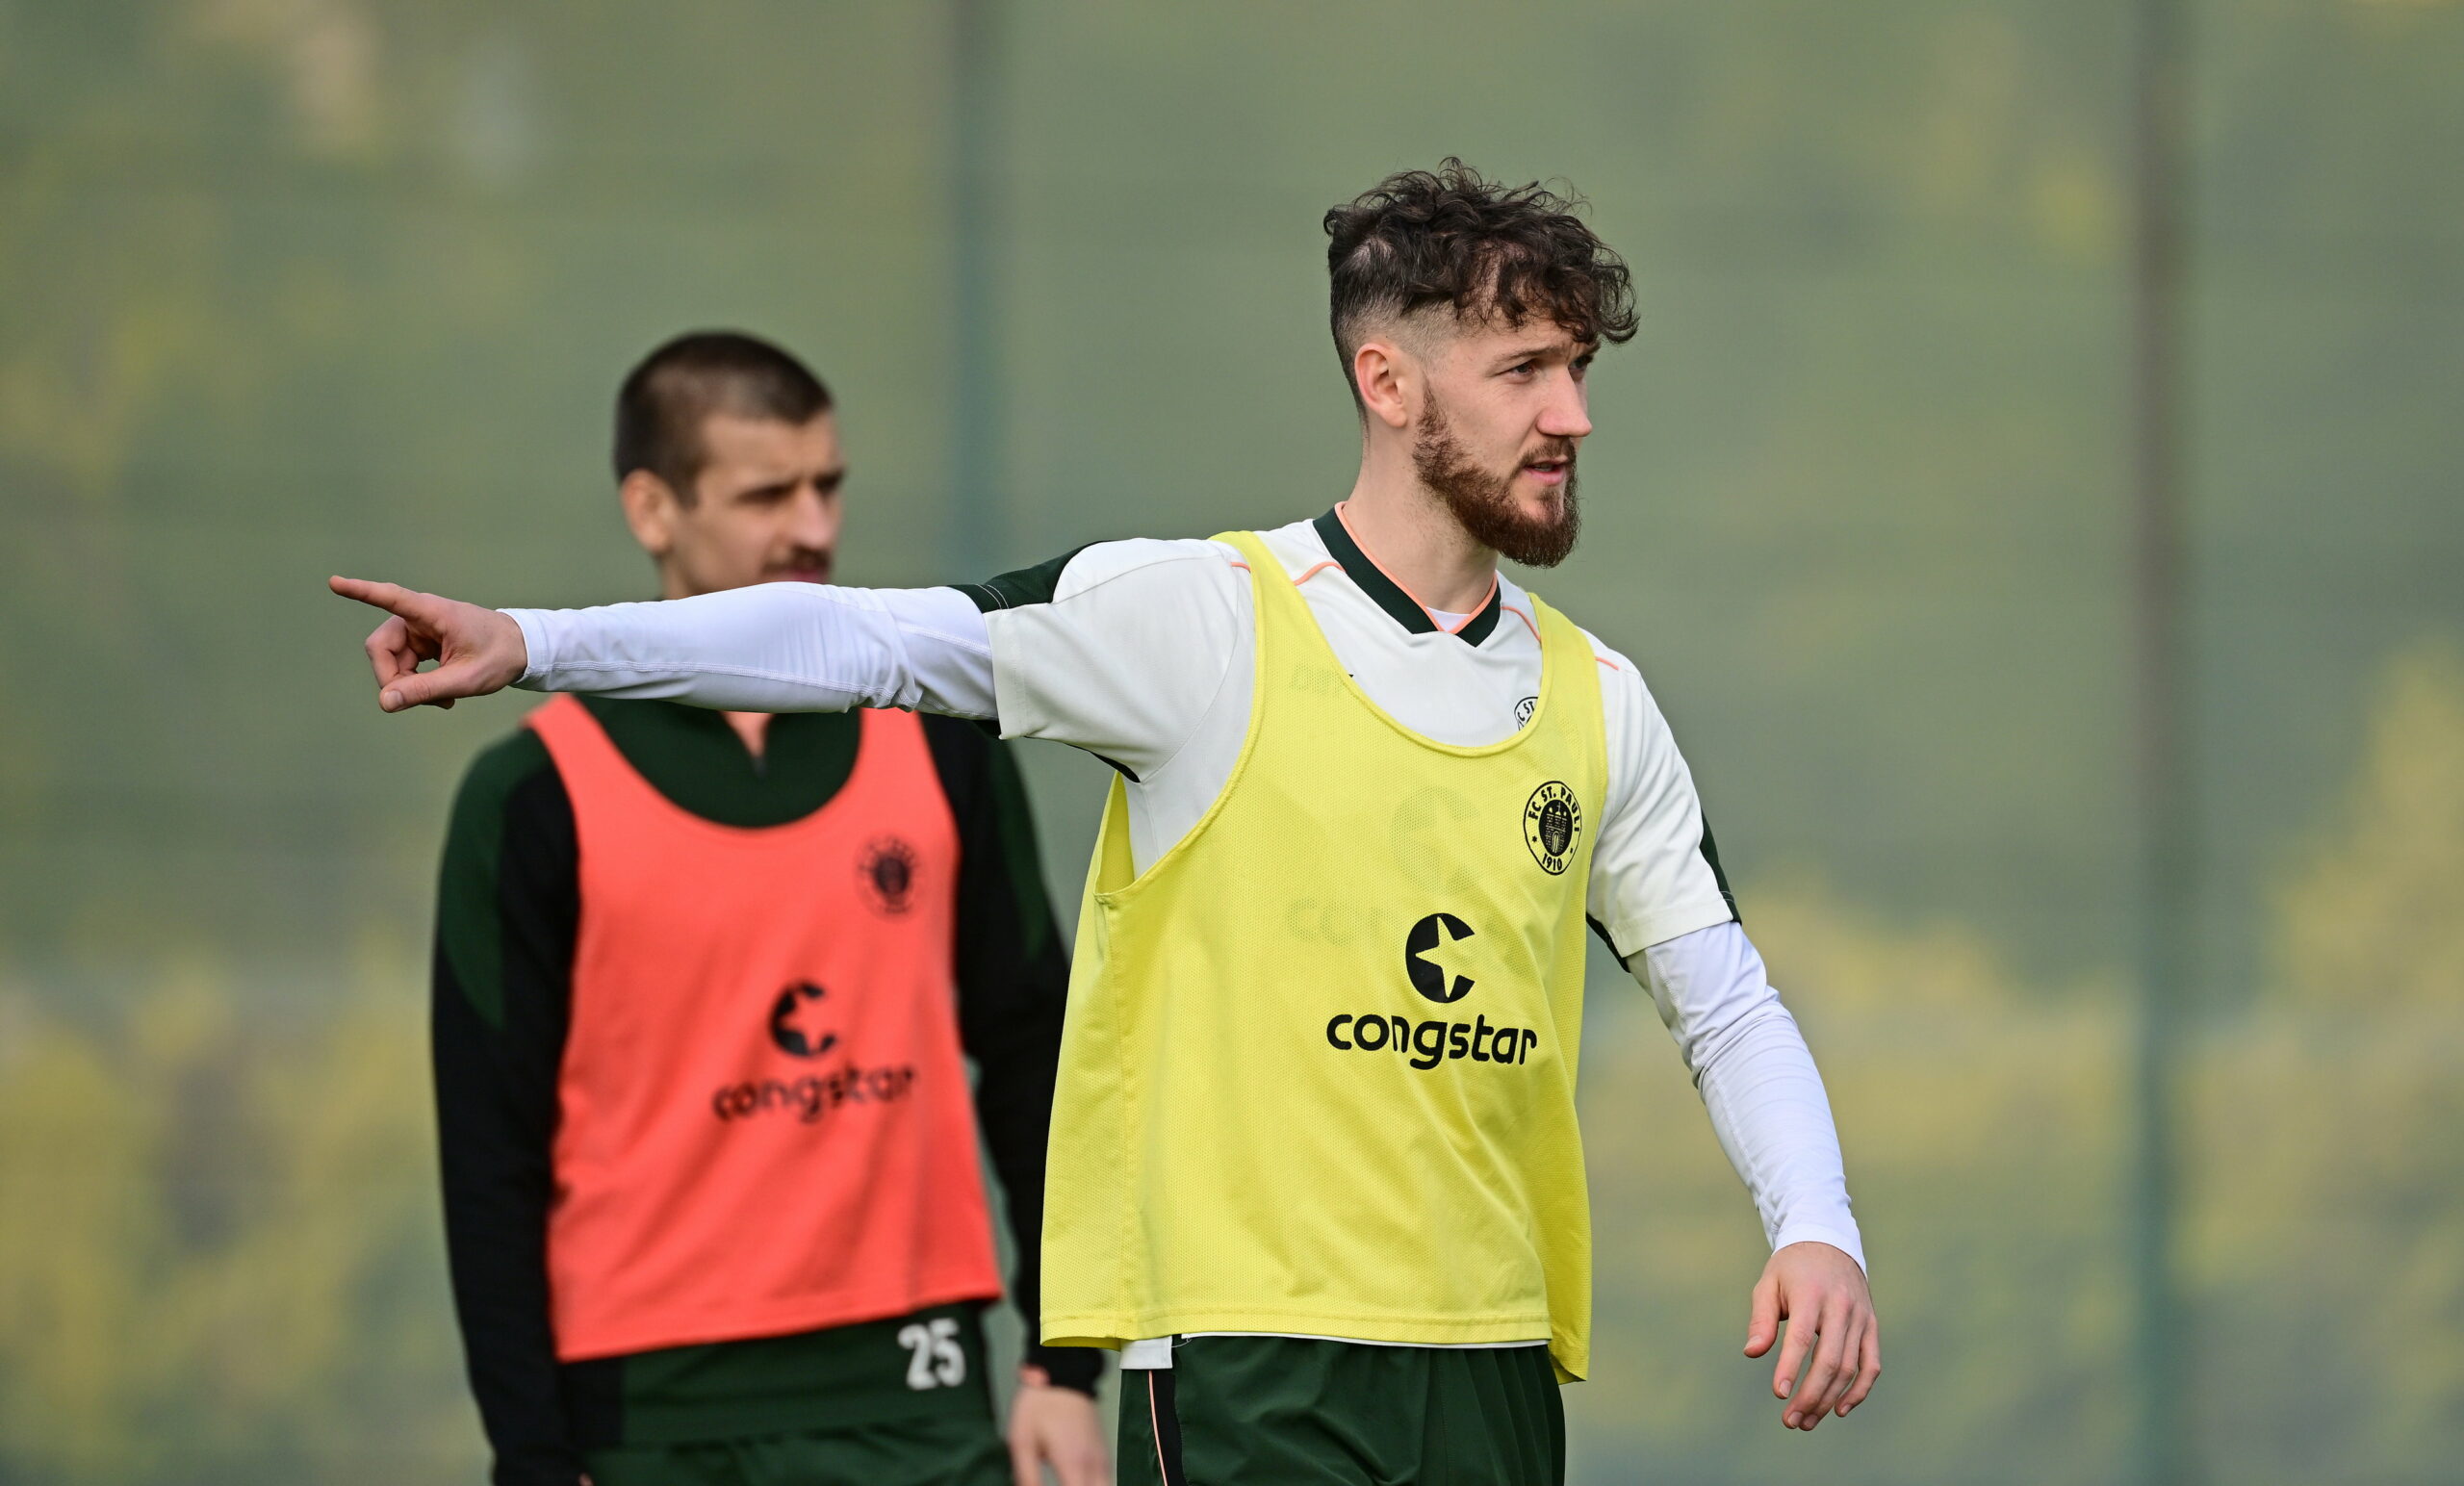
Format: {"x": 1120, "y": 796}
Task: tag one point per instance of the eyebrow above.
{"x": 825, "y": 478}
{"x": 1573, "y": 349}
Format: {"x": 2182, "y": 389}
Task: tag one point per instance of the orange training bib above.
{"x": 765, "y": 1124}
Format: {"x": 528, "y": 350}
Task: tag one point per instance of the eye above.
{"x": 1524, "y": 367}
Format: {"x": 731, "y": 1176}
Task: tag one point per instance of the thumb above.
{"x": 440, "y": 687}
{"x": 1763, "y": 1323}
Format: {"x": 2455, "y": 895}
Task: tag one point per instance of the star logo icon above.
{"x": 796, "y": 1021}
{"x": 1427, "y": 976}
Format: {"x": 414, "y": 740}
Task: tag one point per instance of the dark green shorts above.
{"x": 935, "y": 1450}
{"x": 902, "y": 1402}
{"x": 1277, "y": 1411}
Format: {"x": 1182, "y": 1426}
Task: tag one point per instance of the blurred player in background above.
{"x": 1314, "y": 1160}
{"x": 703, "y": 986}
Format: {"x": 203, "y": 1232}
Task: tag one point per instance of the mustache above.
{"x": 1556, "y": 451}
{"x": 819, "y": 563}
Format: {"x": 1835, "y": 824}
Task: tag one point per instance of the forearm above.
{"x": 1015, "y": 1110}
{"x": 1013, "y": 980}
{"x": 1016, "y": 1052}
{"x": 509, "y": 1349}
{"x": 508, "y": 907}
{"x": 496, "y": 1187}
{"x": 772, "y": 648}
{"x": 1758, "y": 1081}
{"x": 1013, "y": 988}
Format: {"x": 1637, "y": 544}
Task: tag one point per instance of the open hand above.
{"x": 1057, "y": 1426}
{"x": 477, "y": 651}
{"x": 1835, "y": 1351}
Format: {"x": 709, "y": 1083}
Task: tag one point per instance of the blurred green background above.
{"x": 290, "y": 287}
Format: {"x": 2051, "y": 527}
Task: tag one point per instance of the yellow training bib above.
{"x": 1319, "y": 1069}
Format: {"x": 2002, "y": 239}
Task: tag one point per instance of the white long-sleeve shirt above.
{"x": 1139, "y": 651}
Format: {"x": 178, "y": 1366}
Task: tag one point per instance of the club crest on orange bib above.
{"x": 888, "y": 872}
{"x": 1552, "y": 825}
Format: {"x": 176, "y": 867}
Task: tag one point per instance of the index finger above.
{"x": 392, "y": 598}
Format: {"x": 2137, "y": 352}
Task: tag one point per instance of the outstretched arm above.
{"x": 1120, "y": 648}
{"x": 772, "y": 648}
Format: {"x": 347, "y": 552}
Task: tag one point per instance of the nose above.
{"x": 814, "y": 524}
{"x": 1567, "y": 414}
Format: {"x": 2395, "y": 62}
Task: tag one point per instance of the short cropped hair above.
{"x": 1422, "y": 237}
{"x": 661, "y": 407}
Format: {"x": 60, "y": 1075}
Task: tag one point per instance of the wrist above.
{"x": 1847, "y": 1243}
{"x": 537, "y": 654}
{"x": 1034, "y": 1376}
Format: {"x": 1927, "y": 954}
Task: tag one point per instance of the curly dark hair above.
{"x": 1422, "y": 237}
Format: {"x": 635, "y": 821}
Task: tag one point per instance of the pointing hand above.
{"x": 477, "y": 651}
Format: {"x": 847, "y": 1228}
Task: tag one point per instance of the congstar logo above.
{"x": 1426, "y": 1043}
{"x": 798, "y": 1028}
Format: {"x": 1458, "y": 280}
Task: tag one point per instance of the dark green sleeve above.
{"x": 1013, "y": 982}
{"x": 507, "y": 905}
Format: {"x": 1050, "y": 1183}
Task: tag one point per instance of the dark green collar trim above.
{"x": 693, "y": 758}
{"x": 1484, "y": 620}
{"x": 1400, "y": 606}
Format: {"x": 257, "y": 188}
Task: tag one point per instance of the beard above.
{"x": 1483, "y": 500}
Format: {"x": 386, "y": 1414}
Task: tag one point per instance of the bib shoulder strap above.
{"x": 567, "y": 727}
{"x": 1560, "y": 637}
{"x": 1252, "y": 550}
{"x": 1278, "y": 604}
{"x": 1574, "y": 670}
{"x": 593, "y": 767}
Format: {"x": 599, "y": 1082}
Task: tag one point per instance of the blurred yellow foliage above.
{"x": 2329, "y": 1234}
{"x": 218, "y": 1242}
{"x": 2373, "y": 920}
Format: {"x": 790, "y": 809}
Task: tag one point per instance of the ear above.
{"x": 1389, "y": 382}
{"x": 651, "y": 511}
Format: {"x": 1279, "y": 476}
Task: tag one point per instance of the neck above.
{"x": 1408, "y": 532}
{"x": 754, "y": 727}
